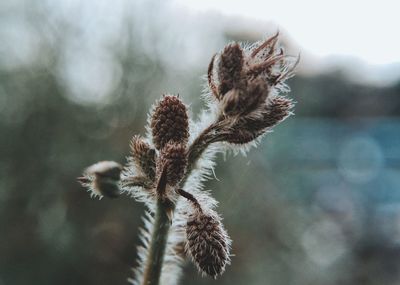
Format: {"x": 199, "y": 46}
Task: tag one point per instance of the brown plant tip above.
{"x": 169, "y": 122}
{"x": 144, "y": 157}
{"x": 102, "y": 179}
{"x": 248, "y": 128}
{"x": 277, "y": 110}
{"x": 268, "y": 44}
{"x": 243, "y": 101}
{"x": 207, "y": 244}
{"x": 173, "y": 158}
{"x": 247, "y": 77}
{"x": 230, "y": 69}
{"x": 256, "y": 94}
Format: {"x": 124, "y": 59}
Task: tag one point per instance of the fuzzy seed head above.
{"x": 173, "y": 158}
{"x": 207, "y": 243}
{"x": 102, "y": 179}
{"x": 144, "y": 157}
{"x": 170, "y": 122}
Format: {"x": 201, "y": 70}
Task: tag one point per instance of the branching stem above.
{"x": 164, "y": 210}
{"x": 191, "y": 198}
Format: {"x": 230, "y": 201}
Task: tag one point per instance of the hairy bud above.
{"x": 144, "y": 157}
{"x": 248, "y": 128}
{"x": 276, "y": 111}
{"x": 247, "y": 78}
{"x": 230, "y": 69}
{"x": 256, "y": 94}
{"x": 102, "y": 178}
{"x": 169, "y": 122}
{"x": 173, "y": 158}
{"x": 232, "y": 102}
{"x": 207, "y": 243}
{"x": 242, "y": 102}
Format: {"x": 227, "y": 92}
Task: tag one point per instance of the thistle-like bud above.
{"x": 256, "y": 95}
{"x": 173, "y": 158}
{"x": 248, "y": 128}
{"x": 144, "y": 157}
{"x": 232, "y": 102}
{"x": 102, "y": 179}
{"x": 230, "y": 69}
{"x": 276, "y": 111}
{"x": 170, "y": 122}
{"x": 247, "y": 78}
{"x": 244, "y": 101}
{"x": 207, "y": 243}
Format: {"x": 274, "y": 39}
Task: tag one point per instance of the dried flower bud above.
{"x": 242, "y": 102}
{"x": 231, "y": 102}
{"x": 144, "y": 157}
{"x": 276, "y": 111}
{"x": 173, "y": 158}
{"x": 246, "y": 79}
{"x": 256, "y": 94}
{"x": 170, "y": 122}
{"x": 207, "y": 243}
{"x": 102, "y": 179}
{"x": 248, "y": 128}
{"x": 230, "y": 69}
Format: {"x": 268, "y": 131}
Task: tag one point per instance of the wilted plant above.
{"x": 243, "y": 104}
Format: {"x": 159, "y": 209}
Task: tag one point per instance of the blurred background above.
{"x": 317, "y": 203}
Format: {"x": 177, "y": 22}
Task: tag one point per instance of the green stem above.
{"x": 158, "y": 244}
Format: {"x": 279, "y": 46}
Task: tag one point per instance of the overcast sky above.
{"x": 365, "y": 29}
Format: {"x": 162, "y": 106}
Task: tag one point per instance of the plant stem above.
{"x": 158, "y": 244}
{"x": 162, "y": 222}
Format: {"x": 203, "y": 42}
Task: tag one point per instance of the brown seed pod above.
{"x": 143, "y": 156}
{"x": 230, "y": 69}
{"x": 247, "y": 78}
{"x": 169, "y": 122}
{"x": 242, "y": 102}
{"x": 231, "y": 102}
{"x": 248, "y": 128}
{"x": 256, "y": 94}
{"x": 102, "y": 179}
{"x": 207, "y": 243}
{"x": 173, "y": 158}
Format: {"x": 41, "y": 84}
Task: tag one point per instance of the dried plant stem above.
{"x": 158, "y": 244}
